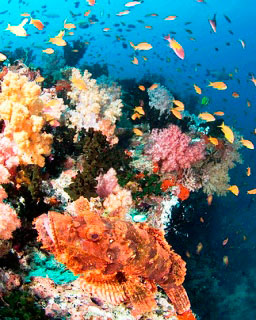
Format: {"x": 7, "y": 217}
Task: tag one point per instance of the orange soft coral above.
{"x": 118, "y": 261}
{"x": 21, "y": 108}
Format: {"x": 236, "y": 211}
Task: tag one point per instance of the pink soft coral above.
{"x": 106, "y": 183}
{"x": 173, "y": 149}
{"x": 8, "y": 158}
{"x": 9, "y": 220}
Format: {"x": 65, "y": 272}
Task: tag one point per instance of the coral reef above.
{"x": 101, "y": 197}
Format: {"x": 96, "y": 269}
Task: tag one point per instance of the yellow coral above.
{"x": 21, "y": 108}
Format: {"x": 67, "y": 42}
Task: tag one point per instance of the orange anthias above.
{"x": 117, "y": 260}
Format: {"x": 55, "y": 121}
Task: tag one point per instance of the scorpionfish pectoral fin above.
{"x": 178, "y": 297}
{"x": 138, "y": 293}
{"x": 109, "y": 290}
{"x": 141, "y": 294}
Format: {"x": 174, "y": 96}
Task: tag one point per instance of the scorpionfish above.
{"x": 117, "y": 260}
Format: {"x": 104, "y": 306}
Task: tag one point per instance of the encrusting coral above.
{"x": 21, "y": 108}
{"x": 118, "y": 261}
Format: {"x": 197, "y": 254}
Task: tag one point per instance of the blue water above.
{"x": 209, "y": 57}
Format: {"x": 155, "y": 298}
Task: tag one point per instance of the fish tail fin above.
{"x": 22, "y": 24}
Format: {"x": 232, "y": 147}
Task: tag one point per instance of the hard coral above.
{"x": 173, "y": 149}
{"x": 118, "y": 261}
{"x": 21, "y": 108}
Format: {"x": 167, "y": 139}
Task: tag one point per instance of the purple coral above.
{"x": 173, "y": 149}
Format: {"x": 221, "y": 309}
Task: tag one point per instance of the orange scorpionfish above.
{"x": 117, "y": 260}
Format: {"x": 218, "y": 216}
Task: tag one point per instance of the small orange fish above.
{"x": 188, "y": 254}
{"x": 144, "y": 58}
{"x": 199, "y": 247}
{"x": 234, "y": 189}
{"x": 253, "y": 191}
{"x": 176, "y": 113}
{"x": 153, "y": 86}
{"x": 132, "y": 3}
{"x": 247, "y": 143}
{"x": 248, "y": 172}
{"x": 225, "y": 242}
{"x": 135, "y": 60}
{"x": 19, "y": 30}
{"x": 58, "y": 41}
{"x": 141, "y": 46}
{"x": 140, "y": 110}
{"x": 202, "y": 219}
{"x": 86, "y": 14}
{"x": 48, "y": 51}
{"x": 219, "y": 113}
{"x": 219, "y": 85}
{"x": 69, "y": 26}
{"x": 37, "y": 23}
{"x": 141, "y": 87}
{"x": 137, "y": 131}
{"x": 122, "y": 13}
{"x": 106, "y": 29}
{"x": 25, "y": 14}
{"x": 39, "y": 79}
{"x": 136, "y": 116}
{"x": 209, "y": 199}
{"x": 176, "y": 47}
{"x": 170, "y": 18}
{"x": 228, "y": 133}
{"x": 91, "y": 2}
{"x": 213, "y": 140}
{"x": 197, "y": 89}
{"x": 206, "y": 116}
{"x": 253, "y": 80}
{"x": 179, "y": 104}
{"x": 248, "y": 103}
{"x": 235, "y": 95}
{"x": 225, "y": 260}
{"x": 79, "y": 84}
{"x": 148, "y": 27}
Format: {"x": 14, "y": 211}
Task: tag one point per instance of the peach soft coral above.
{"x": 21, "y": 108}
{"x": 117, "y": 260}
